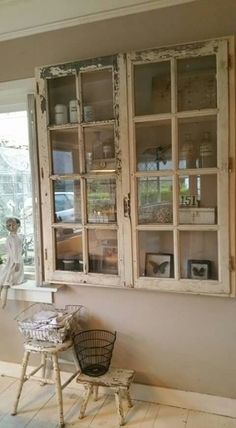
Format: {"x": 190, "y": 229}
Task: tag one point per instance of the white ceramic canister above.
{"x": 73, "y": 111}
{"x": 88, "y": 113}
{"x": 61, "y": 115}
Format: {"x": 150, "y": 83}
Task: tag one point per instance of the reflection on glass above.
{"x": 156, "y": 254}
{"x": 198, "y": 205}
{"x": 67, "y": 201}
{"x": 100, "y": 148}
{"x": 155, "y": 200}
{"x": 101, "y": 197}
{"x": 196, "y": 83}
{"x": 65, "y": 152}
{"x": 153, "y": 146}
{"x": 69, "y": 252}
{"x": 97, "y": 93}
{"x": 61, "y": 91}
{"x": 197, "y": 142}
{"x": 199, "y": 255}
{"x": 103, "y": 252}
{"x": 152, "y": 88}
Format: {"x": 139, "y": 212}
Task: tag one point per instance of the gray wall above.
{"x": 171, "y": 340}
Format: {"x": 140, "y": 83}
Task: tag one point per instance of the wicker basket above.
{"x": 47, "y": 323}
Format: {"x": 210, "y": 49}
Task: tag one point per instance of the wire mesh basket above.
{"x": 94, "y": 350}
{"x": 42, "y": 321}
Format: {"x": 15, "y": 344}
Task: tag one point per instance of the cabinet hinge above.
{"x": 45, "y": 254}
{"x": 231, "y": 263}
{"x": 231, "y": 166}
{"x": 126, "y": 202}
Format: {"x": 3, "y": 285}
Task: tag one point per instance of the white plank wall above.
{"x": 37, "y": 409}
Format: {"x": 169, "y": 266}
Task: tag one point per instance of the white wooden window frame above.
{"x": 223, "y": 48}
{"x": 19, "y": 95}
{"x": 117, "y": 64}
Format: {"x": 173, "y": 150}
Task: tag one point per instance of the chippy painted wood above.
{"x": 220, "y": 48}
{"x": 117, "y": 65}
{"x": 39, "y": 406}
{"x": 46, "y": 350}
{"x": 118, "y": 380}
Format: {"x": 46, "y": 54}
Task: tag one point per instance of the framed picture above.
{"x": 199, "y": 269}
{"x": 159, "y": 265}
{"x": 110, "y": 260}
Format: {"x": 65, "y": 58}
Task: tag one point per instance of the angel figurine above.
{"x": 13, "y": 271}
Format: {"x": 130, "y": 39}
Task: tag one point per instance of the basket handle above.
{"x": 23, "y": 310}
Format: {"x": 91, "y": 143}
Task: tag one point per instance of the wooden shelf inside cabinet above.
{"x": 98, "y": 123}
{"x": 66, "y": 126}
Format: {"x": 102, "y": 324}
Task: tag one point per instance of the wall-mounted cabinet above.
{"x": 136, "y": 183}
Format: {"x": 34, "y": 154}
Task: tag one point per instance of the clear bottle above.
{"x": 187, "y": 152}
{"x": 206, "y": 151}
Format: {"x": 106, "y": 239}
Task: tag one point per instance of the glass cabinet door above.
{"x": 178, "y": 111}
{"x": 79, "y": 127}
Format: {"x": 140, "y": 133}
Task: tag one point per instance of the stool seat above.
{"x": 47, "y": 350}
{"x": 48, "y": 347}
{"x": 119, "y": 380}
{"x": 113, "y": 378}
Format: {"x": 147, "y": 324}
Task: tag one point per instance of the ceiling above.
{"x": 19, "y": 18}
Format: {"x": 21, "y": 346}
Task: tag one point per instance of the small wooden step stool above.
{"x": 47, "y": 350}
{"x": 117, "y": 379}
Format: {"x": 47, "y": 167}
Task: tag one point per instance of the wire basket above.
{"x": 94, "y": 351}
{"x": 44, "y": 322}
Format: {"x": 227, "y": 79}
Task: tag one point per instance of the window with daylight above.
{"x": 17, "y": 169}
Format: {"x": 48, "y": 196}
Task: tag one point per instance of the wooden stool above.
{"x": 117, "y": 379}
{"x": 47, "y": 350}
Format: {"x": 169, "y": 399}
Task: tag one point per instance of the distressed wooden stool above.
{"x": 119, "y": 380}
{"x": 47, "y": 351}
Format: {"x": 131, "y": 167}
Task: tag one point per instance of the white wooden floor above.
{"x": 37, "y": 409}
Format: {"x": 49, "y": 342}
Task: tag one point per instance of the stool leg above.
{"x": 88, "y": 392}
{"x": 130, "y": 403}
{"x": 57, "y": 377}
{"x": 119, "y": 406}
{"x": 22, "y": 380}
{"x": 95, "y": 392}
{"x": 43, "y": 361}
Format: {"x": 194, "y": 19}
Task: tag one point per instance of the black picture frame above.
{"x": 159, "y": 265}
{"x": 199, "y": 269}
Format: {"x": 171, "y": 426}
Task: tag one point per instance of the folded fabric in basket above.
{"x": 44, "y": 316}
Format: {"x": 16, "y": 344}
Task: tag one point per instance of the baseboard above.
{"x": 154, "y": 394}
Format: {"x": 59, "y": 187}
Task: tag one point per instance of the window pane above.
{"x": 156, "y": 254}
{"x": 16, "y": 184}
{"x": 103, "y": 252}
{"x": 196, "y": 83}
{"x": 152, "y": 88}
{"x": 199, "y": 255}
{"x": 198, "y": 142}
{"x": 97, "y": 95}
{"x": 69, "y": 252}
{"x": 100, "y": 148}
{"x": 198, "y": 204}
{"x": 101, "y": 196}
{"x": 153, "y": 146}
{"x": 62, "y": 99}
{"x": 155, "y": 200}
{"x": 65, "y": 152}
{"x": 67, "y": 201}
